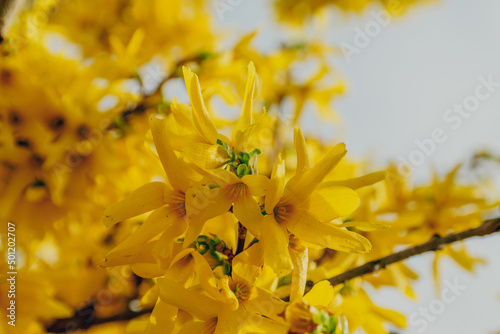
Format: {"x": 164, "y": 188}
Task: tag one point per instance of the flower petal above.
{"x": 146, "y": 198}
{"x": 230, "y": 322}
{"x": 136, "y": 254}
{"x": 205, "y": 155}
{"x": 162, "y": 319}
{"x": 333, "y": 202}
{"x": 157, "y": 222}
{"x": 247, "y": 211}
{"x": 191, "y": 301}
{"x": 174, "y": 167}
{"x": 202, "y": 204}
{"x": 163, "y": 248}
{"x": 358, "y": 182}
{"x": 321, "y": 294}
{"x": 202, "y": 120}
{"x": 257, "y": 184}
{"x": 300, "y": 260}
{"x": 276, "y": 185}
{"x": 218, "y": 290}
{"x": 301, "y": 149}
{"x": 309, "y": 229}
{"x": 247, "y": 265}
{"x": 245, "y": 119}
{"x": 274, "y": 238}
{"x": 300, "y": 187}
{"x": 266, "y": 304}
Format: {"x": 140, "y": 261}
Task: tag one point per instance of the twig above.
{"x": 242, "y": 235}
{"x": 435, "y": 243}
{"x": 85, "y": 320}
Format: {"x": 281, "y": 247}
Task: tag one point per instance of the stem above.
{"x": 434, "y": 244}
{"x": 85, "y": 320}
{"x": 242, "y": 235}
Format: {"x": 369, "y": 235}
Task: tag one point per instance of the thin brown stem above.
{"x": 242, "y": 235}
{"x": 84, "y": 319}
{"x": 435, "y": 243}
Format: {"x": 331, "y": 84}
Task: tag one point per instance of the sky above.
{"x": 405, "y": 88}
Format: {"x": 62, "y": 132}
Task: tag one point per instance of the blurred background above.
{"x": 398, "y": 89}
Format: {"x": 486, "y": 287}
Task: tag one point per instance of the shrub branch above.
{"x": 435, "y": 243}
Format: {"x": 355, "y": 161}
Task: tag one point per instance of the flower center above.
{"x": 241, "y": 290}
{"x": 282, "y": 212}
{"x": 178, "y": 202}
{"x": 210, "y": 326}
{"x": 237, "y": 190}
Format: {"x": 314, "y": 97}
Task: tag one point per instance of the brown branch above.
{"x": 84, "y": 319}
{"x": 434, "y": 244}
{"x": 242, "y": 235}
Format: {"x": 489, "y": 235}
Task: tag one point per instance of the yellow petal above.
{"x": 194, "y": 327}
{"x": 174, "y": 167}
{"x": 275, "y": 189}
{"x": 147, "y": 270}
{"x": 247, "y": 211}
{"x": 358, "y": 182}
{"x": 191, "y": 301}
{"x": 309, "y": 229}
{"x": 321, "y": 294}
{"x": 301, "y": 149}
{"x": 245, "y": 119}
{"x": 206, "y": 155}
{"x": 163, "y": 248}
{"x": 150, "y": 297}
{"x": 202, "y": 120}
{"x": 135, "y": 43}
{"x": 333, "y": 202}
{"x": 300, "y": 187}
{"x": 394, "y": 317}
{"x": 202, "y": 204}
{"x": 146, "y": 198}
{"x": 136, "y": 254}
{"x": 19, "y": 180}
{"x": 218, "y": 290}
{"x": 227, "y": 296}
{"x": 157, "y": 222}
{"x": 465, "y": 260}
{"x": 247, "y": 265}
{"x": 181, "y": 268}
{"x": 274, "y": 238}
{"x": 257, "y": 324}
{"x": 256, "y": 183}
{"x": 162, "y": 319}
{"x": 230, "y": 322}
{"x": 300, "y": 260}
{"x": 266, "y": 303}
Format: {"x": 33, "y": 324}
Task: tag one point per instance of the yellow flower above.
{"x": 207, "y": 151}
{"x": 172, "y": 203}
{"x": 301, "y": 209}
{"x": 232, "y": 303}
{"x": 225, "y": 189}
{"x": 361, "y": 312}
